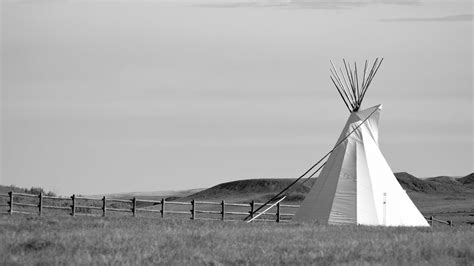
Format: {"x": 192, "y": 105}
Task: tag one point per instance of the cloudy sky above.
{"x": 115, "y": 96}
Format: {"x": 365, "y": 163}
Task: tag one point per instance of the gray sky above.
{"x": 112, "y": 96}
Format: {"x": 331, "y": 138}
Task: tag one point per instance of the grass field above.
{"x": 122, "y": 239}
{"x": 86, "y": 240}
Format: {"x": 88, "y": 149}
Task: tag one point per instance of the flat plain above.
{"x": 58, "y": 238}
{"x": 127, "y": 240}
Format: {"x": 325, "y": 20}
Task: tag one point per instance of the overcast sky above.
{"x": 115, "y": 96}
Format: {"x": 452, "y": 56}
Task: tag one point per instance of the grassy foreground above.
{"x": 127, "y": 240}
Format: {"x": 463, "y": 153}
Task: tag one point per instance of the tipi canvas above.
{"x": 356, "y": 185}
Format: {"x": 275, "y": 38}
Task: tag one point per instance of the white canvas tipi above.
{"x": 356, "y": 185}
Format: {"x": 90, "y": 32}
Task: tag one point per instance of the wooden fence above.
{"x": 23, "y": 203}
{"x": 431, "y": 221}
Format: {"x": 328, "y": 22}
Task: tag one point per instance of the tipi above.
{"x": 356, "y": 185}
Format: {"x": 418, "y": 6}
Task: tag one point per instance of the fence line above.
{"x": 431, "y": 220}
{"x": 77, "y": 206}
{"x": 223, "y": 211}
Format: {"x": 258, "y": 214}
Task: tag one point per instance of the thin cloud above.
{"x": 306, "y": 4}
{"x": 463, "y": 17}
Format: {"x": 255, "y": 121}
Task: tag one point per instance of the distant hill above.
{"x": 439, "y": 184}
{"x": 467, "y": 180}
{"x": 444, "y": 197}
{"x": 429, "y": 185}
{"x": 253, "y": 189}
{"x": 264, "y": 189}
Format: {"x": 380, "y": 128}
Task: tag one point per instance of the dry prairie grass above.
{"x": 127, "y": 240}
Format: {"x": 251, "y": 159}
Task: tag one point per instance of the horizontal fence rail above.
{"x": 31, "y": 204}
{"x": 431, "y": 220}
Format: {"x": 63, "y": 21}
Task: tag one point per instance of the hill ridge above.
{"x": 262, "y": 189}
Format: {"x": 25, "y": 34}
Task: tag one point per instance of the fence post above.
{"x": 134, "y": 206}
{"x": 10, "y": 203}
{"x": 104, "y": 209}
{"x": 73, "y": 206}
{"x": 223, "y": 210}
{"x": 193, "y": 209}
{"x": 431, "y": 221}
{"x": 252, "y": 207}
{"x": 40, "y": 204}
{"x": 278, "y": 212}
{"x": 162, "y": 208}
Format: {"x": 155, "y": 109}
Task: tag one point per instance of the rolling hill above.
{"x": 253, "y": 189}
{"x": 442, "y": 196}
{"x": 439, "y": 184}
{"x": 264, "y": 189}
{"x": 467, "y": 181}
